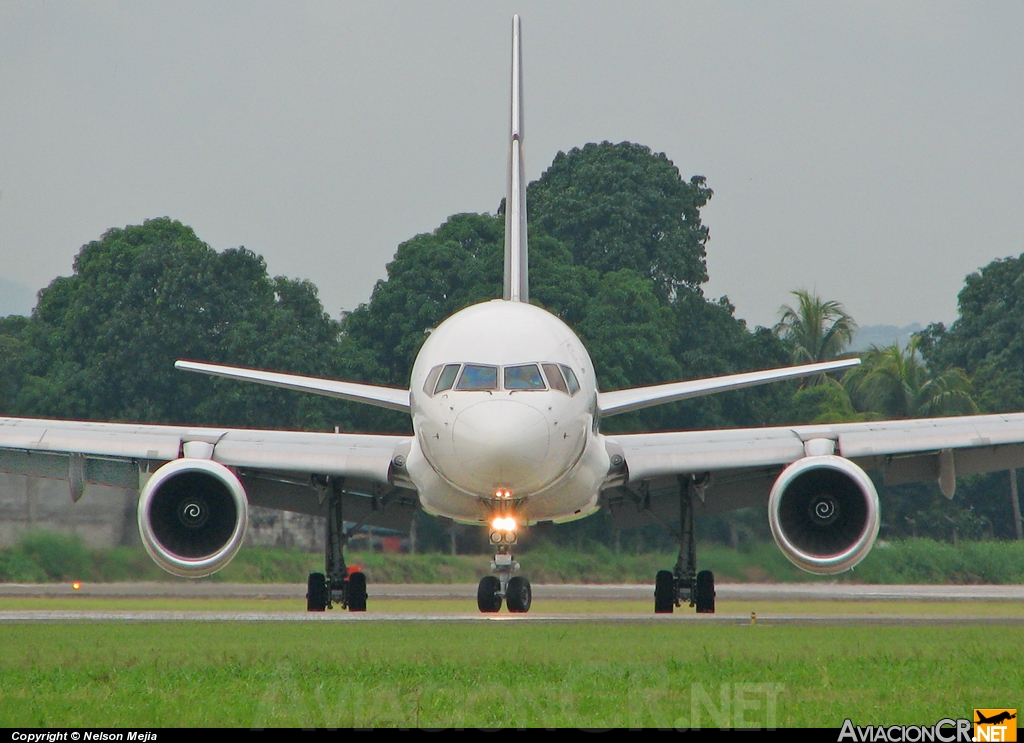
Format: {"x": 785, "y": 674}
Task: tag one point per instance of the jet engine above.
{"x": 192, "y": 516}
{"x": 824, "y": 515}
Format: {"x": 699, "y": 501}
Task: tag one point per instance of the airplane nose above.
{"x": 502, "y": 443}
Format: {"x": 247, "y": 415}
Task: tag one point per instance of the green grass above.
{"x": 586, "y": 674}
{"x": 42, "y": 557}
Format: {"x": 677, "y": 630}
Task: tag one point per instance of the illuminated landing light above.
{"x": 76, "y": 585}
{"x": 503, "y": 494}
{"x": 503, "y": 523}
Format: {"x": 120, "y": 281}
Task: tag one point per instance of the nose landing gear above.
{"x": 514, "y": 590}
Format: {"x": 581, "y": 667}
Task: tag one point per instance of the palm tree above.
{"x": 816, "y": 330}
{"x": 895, "y": 383}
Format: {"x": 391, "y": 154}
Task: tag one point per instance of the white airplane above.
{"x": 506, "y": 416}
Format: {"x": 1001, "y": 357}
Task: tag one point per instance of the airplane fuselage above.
{"x": 504, "y": 402}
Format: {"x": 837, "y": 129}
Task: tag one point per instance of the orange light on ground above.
{"x": 76, "y": 585}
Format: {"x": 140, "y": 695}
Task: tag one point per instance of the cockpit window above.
{"x": 555, "y": 379}
{"x": 476, "y": 377}
{"x": 447, "y": 378}
{"x": 428, "y": 386}
{"x": 570, "y": 378}
{"x": 525, "y": 377}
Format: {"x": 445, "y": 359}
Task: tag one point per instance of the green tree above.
{"x": 894, "y": 382}
{"x": 106, "y": 337}
{"x": 617, "y": 251}
{"x": 987, "y": 339}
{"x": 987, "y": 342}
{"x": 816, "y": 329}
{"x": 621, "y": 206}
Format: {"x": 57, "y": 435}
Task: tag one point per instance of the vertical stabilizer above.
{"x": 517, "y": 279}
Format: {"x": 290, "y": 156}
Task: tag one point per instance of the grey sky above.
{"x": 871, "y": 151}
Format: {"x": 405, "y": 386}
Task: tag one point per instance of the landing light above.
{"x": 504, "y": 494}
{"x": 504, "y": 523}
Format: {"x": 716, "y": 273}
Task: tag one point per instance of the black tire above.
{"x": 316, "y": 592}
{"x": 356, "y": 592}
{"x": 487, "y": 598}
{"x": 704, "y": 594}
{"x": 664, "y": 592}
{"x": 518, "y": 595}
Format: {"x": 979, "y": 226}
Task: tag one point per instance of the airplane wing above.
{"x": 637, "y": 398}
{"x": 742, "y": 464}
{"x": 392, "y": 398}
{"x": 276, "y": 466}
{"x": 823, "y": 508}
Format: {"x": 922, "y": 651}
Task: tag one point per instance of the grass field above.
{"x": 439, "y": 674}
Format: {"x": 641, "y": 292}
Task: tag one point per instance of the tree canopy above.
{"x": 104, "y": 340}
{"x": 621, "y": 206}
{"x": 816, "y": 329}
{"x": 987, "y": 339}
{"x": 617, "y": 251}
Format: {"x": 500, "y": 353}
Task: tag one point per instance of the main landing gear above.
{"x": 683, "y": 583}
{"x": 513, "y": 589}
{"x": 338, "y": 586}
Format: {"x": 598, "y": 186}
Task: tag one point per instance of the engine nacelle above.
{"x": 192, "y": 516}
{"x": 824, "y": 515}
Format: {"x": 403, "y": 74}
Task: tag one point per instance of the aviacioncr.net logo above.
{"x": 944, "y": 731}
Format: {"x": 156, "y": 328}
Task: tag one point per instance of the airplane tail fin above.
{"x": 517, "y": 280}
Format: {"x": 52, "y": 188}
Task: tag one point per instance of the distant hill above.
{"x": 883, "y": 335}
{"x": 15, "y": 298}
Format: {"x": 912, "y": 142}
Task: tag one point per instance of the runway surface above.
{"x": 841, "y": 594}
{"x": 633, "y": 592}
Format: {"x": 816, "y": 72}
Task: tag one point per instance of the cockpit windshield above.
{"x": 525, "y": 377}
{"x": 477, "y": 377}
{"x": 483, "y": 377}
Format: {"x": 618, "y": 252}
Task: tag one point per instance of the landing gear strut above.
{"x": 513, "y": 589}
{"x": 684, "y": 583}
{"x": 336, "y": 585}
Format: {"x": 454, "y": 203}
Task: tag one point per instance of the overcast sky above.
{"x": 873, "y": 151}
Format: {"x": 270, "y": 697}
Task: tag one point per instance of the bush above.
{"x": 40, "y": 557}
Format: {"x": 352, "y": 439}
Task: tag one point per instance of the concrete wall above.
{"x": 106, "y": 517}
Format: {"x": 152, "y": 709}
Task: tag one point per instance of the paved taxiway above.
{"x": 632, "y": 592}
{"x": 725, "y": 592}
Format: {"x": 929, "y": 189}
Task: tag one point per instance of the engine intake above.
{"x": 192, "y": 516}
{"x": 824, "y": 514}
